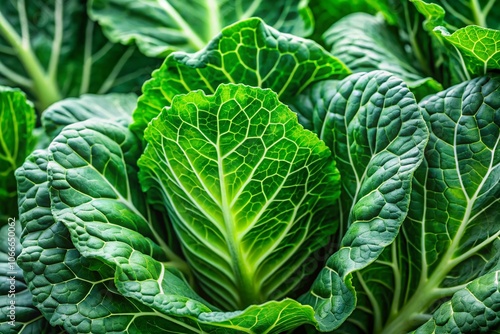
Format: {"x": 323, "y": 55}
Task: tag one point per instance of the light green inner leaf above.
{"x": 250, "y": 191}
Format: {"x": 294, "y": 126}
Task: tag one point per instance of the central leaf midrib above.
{"x": 243, "y": 276}
{"x": 428, "y": 289}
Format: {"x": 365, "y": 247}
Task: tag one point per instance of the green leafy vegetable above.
{"x": 469, "y": 35}
{"x": 71, "y": 290}
{"x": 248, "y": 52}
{"x": 104, "y": 233}
{"x": 259, "y": 198}
{"x": 449, "y": 241}
{"x": 478, "y": 47}
{"x": 51, "y": 49}
{"x": 159, "y": 27}
{"x": 256, "y": 185}
{"x": 17, "y": 120}
{"x": 118, "y": 107}
{"x": 479, "y": 299}
{"x": 373, "y": 124}
{"x": 18, "y": 315}
{"x": 365, "y": 43}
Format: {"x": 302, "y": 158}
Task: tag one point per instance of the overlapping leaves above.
{"x": 159, "y": 27}
{"x": 71, "y": 290}
{"x": 249, "y": 191}
{"x": 366, "y": 43}
{"x": 17, "y": 312}
{"x": 52, "y": 50}
{"x": 372, "y": 123}
{"x": 248, "y": 52}
{"x": 448, "y": 247}
{"x": 116, "y": 107}
{"x": 93, "y": 251}
{"x": 470, "y": 34}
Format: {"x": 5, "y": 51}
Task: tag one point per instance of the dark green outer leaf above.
{"x": 52, "y": 50}
{"x": 66, "y": 287}
{"x": 474, "y": 309}
{"x": 17, "y": 312}
{"x": 94, "y": 193}
{"x": 378, "y": 135}
{"x": 451, "y": 234}
{"x": 117, "y": 107}
{"x": 93, "y": 180}
{"x": 160, "y": 27}
{"x": 366, "y": 43}
{"x": 250, "y": 192}
{"x": 248, "y": 52}
{"x": 72, "y": 290}
{"x": 465, "y": 134}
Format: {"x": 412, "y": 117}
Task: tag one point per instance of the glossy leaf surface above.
{"x": 249, "y": 191}
{"x": 248, "y": 52}
{"x": 160, "y": 27}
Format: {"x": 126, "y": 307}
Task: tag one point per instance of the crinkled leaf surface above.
{"x": 52, "y": 50}
{"x": 373, "y": 124}
{"x": 70, "y": 290}
{"x": 92, "y": 260}
{"x": 159, "y": 27}
{"x": 95, "y": 193}
{"x": 479, "y": 47}
{"x": 470, "y": 34}
{"x": 474, "y": 309}
{"x": 250, "y": 192}
{"x": 451, "y": 235}
{"x": 366, "y": 43}
{"x": 248, "y": 52}
{"x": 117, "y": 107}
{"x": 17, "y": 312}
{"x": 17, "y": 121}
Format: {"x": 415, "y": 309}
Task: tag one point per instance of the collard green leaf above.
{"x": 94, "y": 195}
{"x": 248, "y": 52}
{"x": 249, "y": 191}
{"x": 117, "y": 107}
{"x": 479, "y": 47}
{"x": 17, "y": 312}
{"x": 474, "y": 309}
{"x": 483, "y": 13}
{"x": 94, "y": 184}
{"x": 66, "y": 287}
{"x": 72, "y": 290}
{"x": 159, "y": 27}
{"x": 373, "y": 124}
{"x": 17, "y": 121}
{"x": 327, "y": 12}
{"x": 52, "y": 50}
{"x": 451, "y": 235}
{"x": 467, "y": 33}
{"x": 366, "y": 43}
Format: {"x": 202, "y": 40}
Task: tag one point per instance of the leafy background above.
{"x": 415, "y": 140}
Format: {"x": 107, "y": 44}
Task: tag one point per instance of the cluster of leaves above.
{"x": 262, "y": 182}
